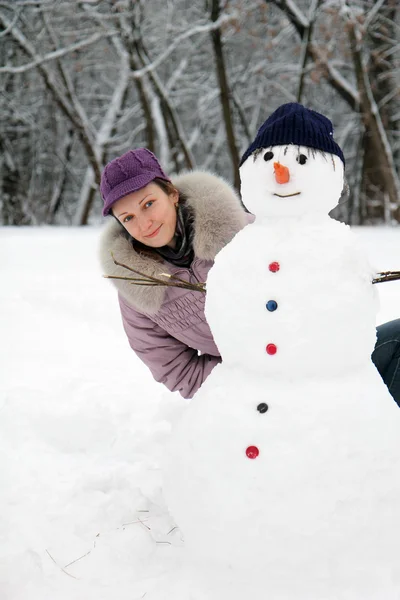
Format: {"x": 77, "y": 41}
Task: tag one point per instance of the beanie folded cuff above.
{"x": 294, "y": 124}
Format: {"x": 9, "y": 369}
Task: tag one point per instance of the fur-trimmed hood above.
{"x": 217, "y": 216}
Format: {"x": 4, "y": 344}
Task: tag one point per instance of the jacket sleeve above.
{"x": 171, "y": 362}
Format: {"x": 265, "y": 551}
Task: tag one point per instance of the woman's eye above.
{"x": 149, "y": 203}
{"x": 302, "y": 159}
{"x": 268, "y": 155}
{"x": 128, "y": 218}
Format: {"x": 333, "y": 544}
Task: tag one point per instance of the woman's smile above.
{"x": 154, "y": 233}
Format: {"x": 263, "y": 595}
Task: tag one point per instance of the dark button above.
{"x": 262, "y": 408}
{"x": 271, "y": 305}
{"x": 274, "y": 267}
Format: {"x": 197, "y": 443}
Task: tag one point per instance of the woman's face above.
{"x": 149, "y": 215}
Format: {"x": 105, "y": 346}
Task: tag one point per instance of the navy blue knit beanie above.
{"x": 294, "y": 124}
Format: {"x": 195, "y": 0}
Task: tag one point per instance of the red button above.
{"x": 274, "y": 267}
{"x": 252, "y": 452}
{"x": 271, "y": 349}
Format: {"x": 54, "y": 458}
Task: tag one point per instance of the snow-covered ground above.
{"x": 83, "y": 425}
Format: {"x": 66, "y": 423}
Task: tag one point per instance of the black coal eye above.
{"x": 268, "y": 155}
{"x": 302, "y": 159}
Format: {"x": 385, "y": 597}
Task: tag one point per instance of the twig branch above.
{"x": 133, "y": 280}
{"x": 197, "y": 287}
{"x": 149, "y": 280}
{"x": 63, "y": 570}
{"x": 386, "y": 276}
{"x": 134, "y": 522}
{"x": 146, "y": 277}
{"x": 76, "y": 560}
{"x": 11, "y": 24}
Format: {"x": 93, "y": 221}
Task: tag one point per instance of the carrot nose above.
{"x": 282, "y": 174}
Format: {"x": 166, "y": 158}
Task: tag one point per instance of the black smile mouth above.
{"x": 287, "y": 195}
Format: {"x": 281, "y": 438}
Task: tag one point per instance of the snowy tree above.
{"x": 85, "y": 81}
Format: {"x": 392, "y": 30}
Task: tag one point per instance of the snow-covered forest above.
{"x": 84, "y": 80}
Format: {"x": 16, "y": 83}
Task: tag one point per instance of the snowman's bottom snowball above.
{"x": 318, "y": 509}
{"x": 196, "y": 580}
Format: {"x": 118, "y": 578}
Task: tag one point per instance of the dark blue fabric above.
{"x": 386, "y": 356}
{"x": 294, "y": 124}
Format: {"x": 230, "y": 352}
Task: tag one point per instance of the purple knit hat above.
{"x": 128, "y": 173}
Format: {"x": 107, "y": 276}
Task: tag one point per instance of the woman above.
{"x": 178, "y": 227}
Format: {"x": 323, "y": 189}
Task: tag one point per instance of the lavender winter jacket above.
{"x": 166, "y": 327}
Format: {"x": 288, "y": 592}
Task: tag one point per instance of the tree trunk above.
{"x": 224, "y": 91}
{"x": 130, "y": 32}
{"x": 301, "y": 24}
{"x": 60, "y": 96}
{"x": 381, "y": 72}
{"x": 59, "y": 182}
{"x": 172, "y": 121}
{"x": 379, "y": 168}
{"x": 306, "y": 47}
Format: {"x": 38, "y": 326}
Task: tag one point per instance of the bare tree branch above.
{"x": 40, "y": 60}
{"x": 224, "y": 19}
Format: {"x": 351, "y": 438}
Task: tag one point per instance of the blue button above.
{"x": 271, "y": 305}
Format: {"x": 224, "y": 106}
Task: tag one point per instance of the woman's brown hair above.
{"x": 166, "y": 186}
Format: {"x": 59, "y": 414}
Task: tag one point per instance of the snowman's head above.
{"x": 289, "y": 180}
{"x": 294, "y": 167}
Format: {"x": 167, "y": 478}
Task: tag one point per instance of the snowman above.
{"x": 283, "y": 473}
